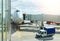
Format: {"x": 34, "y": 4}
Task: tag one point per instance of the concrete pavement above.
{"x": 30, "y": 36}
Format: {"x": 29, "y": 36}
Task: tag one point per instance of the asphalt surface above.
{"x": 28, "y": 34}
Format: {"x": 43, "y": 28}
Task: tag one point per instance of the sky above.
{"x": 36, "y": 6}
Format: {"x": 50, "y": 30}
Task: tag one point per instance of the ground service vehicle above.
{"x": 45, "y": 32}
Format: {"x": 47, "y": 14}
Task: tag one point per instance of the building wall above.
{"x": 43, "y": 17}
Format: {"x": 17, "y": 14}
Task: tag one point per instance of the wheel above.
{"x": 37, "y": 36}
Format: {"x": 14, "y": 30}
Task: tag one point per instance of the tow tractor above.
{"x": 45, "y": 31}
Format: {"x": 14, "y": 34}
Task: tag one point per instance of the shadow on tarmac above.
{"x": 45, "y": 38}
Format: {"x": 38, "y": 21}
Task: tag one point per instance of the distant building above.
{"x": 40, "y": 17}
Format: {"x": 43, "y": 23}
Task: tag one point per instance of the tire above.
{"x": 37, "y": 36}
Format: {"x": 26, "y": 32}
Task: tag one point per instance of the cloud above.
{"x": 39, "y": 6}
{"x": 50, "y": 6}
{"x": 25, "y": 6}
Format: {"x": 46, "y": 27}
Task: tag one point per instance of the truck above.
{"x": 45, "y": 32}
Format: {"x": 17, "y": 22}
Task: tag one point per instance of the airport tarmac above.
{"x": 28, "y": 34}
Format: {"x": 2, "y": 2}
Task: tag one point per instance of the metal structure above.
{"x": 8, "y": 18}
{"x": 5, "y": 10}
